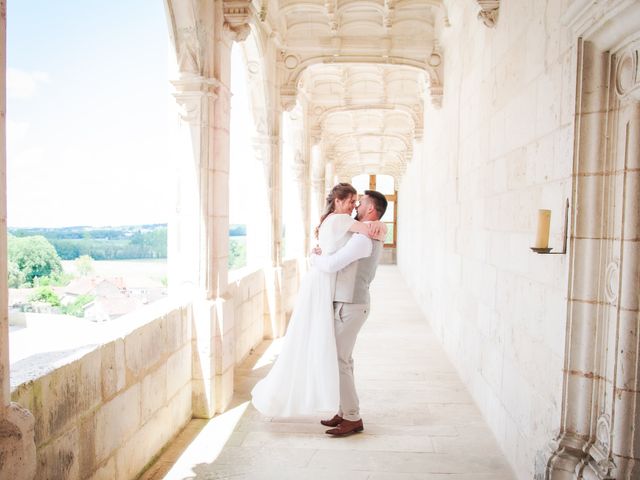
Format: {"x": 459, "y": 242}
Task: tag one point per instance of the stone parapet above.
{"x": 17, "y": 448}
{"x": 248, "y": 296}
{"x": 109, "y": 412}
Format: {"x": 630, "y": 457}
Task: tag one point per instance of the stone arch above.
{"x": 434, "y": 73}
{"x": 189, "y": 35}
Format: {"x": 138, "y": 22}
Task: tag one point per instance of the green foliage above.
{"x": 237, "y": 253}
{"x": 67, "y": 249}
{"x": 116, "y": 243}
{"x": 151, "y": 244}
{"x": 55, "y": 280}
{"x": 76, "y": 308}
{"x": 84, "y": 265}
{"x": 17, "y": 277}
{"x": 34, "y": 257}
{"x": 46, "y": 295}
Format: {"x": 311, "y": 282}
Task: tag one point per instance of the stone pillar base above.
{"x": 213, "y": 356}
{"x": 17, "y": 445}
{"x": 203, "y": 364}
{"x": 569, "y": 461}
{"x": 275, "y": 324}
{"x": 225, "y": 358}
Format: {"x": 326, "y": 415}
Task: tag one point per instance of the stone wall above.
{"x": 499, "y": 149}
{"x": 248, "y": 297}
{"x": 107, "y": 414}
{"x": 251, "y": 302}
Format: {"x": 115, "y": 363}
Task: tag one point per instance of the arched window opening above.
{"x": 247, "y": 195}
{"x": 384, "y": 184}
{"x": 87, "y": 164}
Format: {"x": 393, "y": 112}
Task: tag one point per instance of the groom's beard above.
{"x": 357, "y": 217}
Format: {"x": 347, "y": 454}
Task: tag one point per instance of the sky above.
{"x": 87, "y": 112}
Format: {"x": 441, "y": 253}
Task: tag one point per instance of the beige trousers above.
{"x": 348, "y": 320}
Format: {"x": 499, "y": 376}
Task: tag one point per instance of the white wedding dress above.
{"x": 304, "y": 379}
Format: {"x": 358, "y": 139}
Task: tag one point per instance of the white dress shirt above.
{"x": 359, "y": 246}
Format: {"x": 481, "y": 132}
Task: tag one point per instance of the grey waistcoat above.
{"x": 352, "y": 282}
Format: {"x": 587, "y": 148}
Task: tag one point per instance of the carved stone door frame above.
{"x": 597, "y": 438}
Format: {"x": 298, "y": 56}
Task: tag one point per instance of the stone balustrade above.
{"x": 109, "y": 410}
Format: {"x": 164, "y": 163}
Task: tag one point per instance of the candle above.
{"x": 542, "y": 235}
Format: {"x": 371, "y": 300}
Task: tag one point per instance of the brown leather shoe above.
{"x": 346, "y": 427}
{"x": 334, "y": 422}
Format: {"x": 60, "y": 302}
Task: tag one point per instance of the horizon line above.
{"x": 85, "y": 226}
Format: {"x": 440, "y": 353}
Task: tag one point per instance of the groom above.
{"x": 355, "y": 264}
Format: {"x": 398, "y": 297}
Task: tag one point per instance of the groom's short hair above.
{"x": 379, "y": 201}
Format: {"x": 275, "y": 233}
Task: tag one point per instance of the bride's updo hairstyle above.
{"x": 339, "y": 192}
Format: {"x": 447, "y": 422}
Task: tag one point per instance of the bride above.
{"x": 304, "y": 378}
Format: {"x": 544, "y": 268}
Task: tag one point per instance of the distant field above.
{"x": 124, "y": 268}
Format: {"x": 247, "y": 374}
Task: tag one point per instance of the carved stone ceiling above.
{"x": 361, "y": 67}
{"x": 366, "y": 116}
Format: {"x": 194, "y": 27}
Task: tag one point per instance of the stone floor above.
{"x": 420, "y": 422}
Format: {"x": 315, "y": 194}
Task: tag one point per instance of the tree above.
{"x": 237, "y": 254}
{"x": 34, "y": 257}
{"x": 67, "y": 249}
{"x": 16, "y": 276}
{"x": 55, "y": 279}
{"x": 46, "y": 295}
{"x": 84, "y": 265}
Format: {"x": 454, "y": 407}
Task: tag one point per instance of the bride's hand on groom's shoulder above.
{"x": 377, "y": 230}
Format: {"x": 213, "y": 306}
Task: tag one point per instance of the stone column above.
{"x": 301, "y": 176}
{"x": 623, "y": 274}
{"x": 17, "y": 445}
{"x": 192, "y": 256}
{"x": 585, "y": 307}
{"x": 267, "y": 149}
{"x": 307, "y": 193}
{"x": 318, "y": 191}
{"x": 199, "y": 238}
{"x": 297, "y": 142}
{"x": 231, "y": 25}
{"x": 330, "y": 176}
{"x": 308, "y": 215}
{"x": 202, "y": 33}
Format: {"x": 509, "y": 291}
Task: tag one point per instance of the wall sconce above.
{"x": 542, "y": 233}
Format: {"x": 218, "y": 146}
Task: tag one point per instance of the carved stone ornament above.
{"x": 298, "y": 167}
{"x": 189, "y": 92}
{"x": 601, "y": 450}
{"x": 264, "y": 8}
{"x": 288, "y": 97}
{"x": 488, "y": 13}
{"x": 603, "y": 432}
{"x": 236, "y": 18}
{"x": 628, "y": 72}
{"x": 436, "y": 93}
{"x": 611, "y": 281}
{"x": 188, "y": 51}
